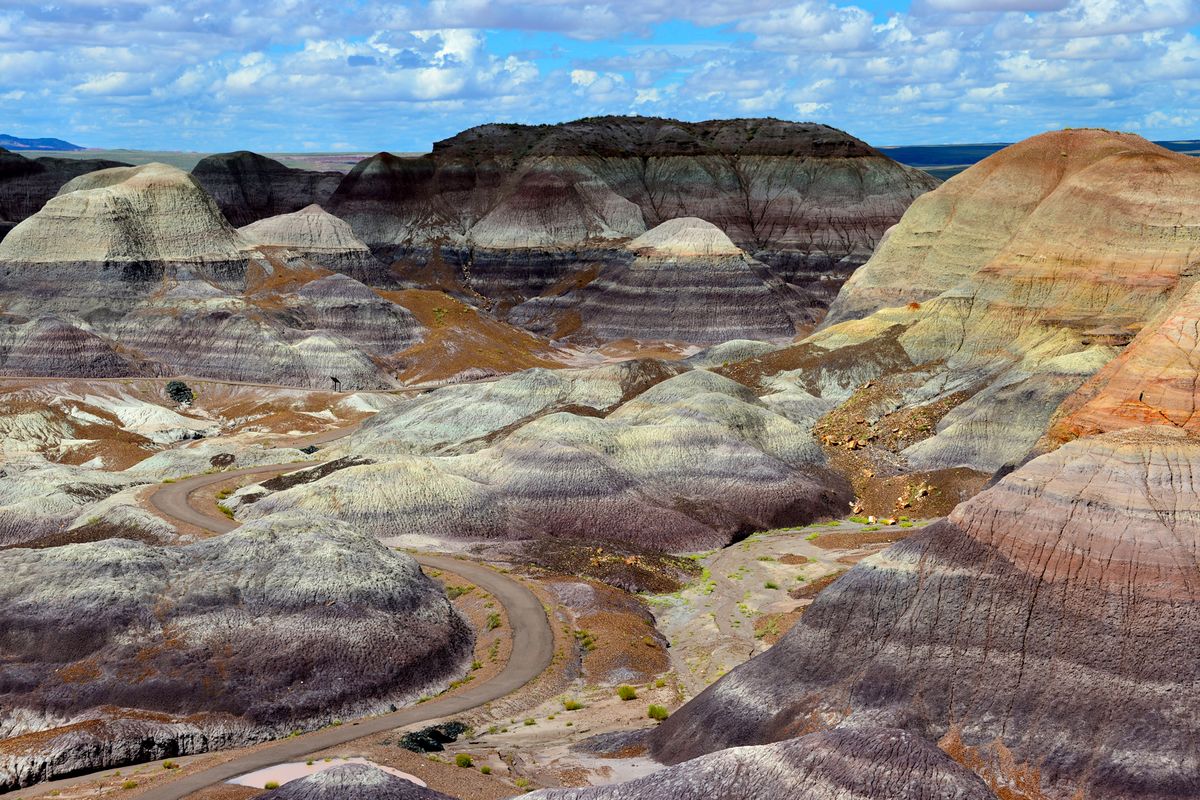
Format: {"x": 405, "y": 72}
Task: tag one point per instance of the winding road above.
{"x": 532, "y": 646}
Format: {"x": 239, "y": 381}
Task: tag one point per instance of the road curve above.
{"x": 532, "y": 650}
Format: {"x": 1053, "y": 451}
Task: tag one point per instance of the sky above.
{"x": 369, "y": 75}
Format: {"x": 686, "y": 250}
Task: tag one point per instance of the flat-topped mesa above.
{"x": 248, "y": 187}
{"x": 683, "y": 281}
{"x": 321, "y": 238}
{"x": 802, "y": 197}
{"x": 123, "y": 215}
{"x": 1043, "y": 634}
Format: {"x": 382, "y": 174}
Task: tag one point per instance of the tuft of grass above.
{"x": 660, "y": 683}
{"x": 271, "y": 785}
{"x": 626, "y": 692}
{"x": 859, "y": 519}
{"x": 493, "y": 622}
{"x": 226, "y": 510}
{"x": 455, "y": 592}
{"x": 658, "y": 712}
{"x": 169, "y": 764}
{"x": 129, "y": 785}
{"x": 770, "y": 585}
{"x": 485, "y": 769}
{"x": 531, "y": 721}
{"x": 463, "y": 760}
{"x": 571, "y": 704}
{"x": 812, "y": 537}
{"x": 309, "y": 762}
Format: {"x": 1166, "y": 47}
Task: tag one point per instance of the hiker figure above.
{"x": 337, "y": 385}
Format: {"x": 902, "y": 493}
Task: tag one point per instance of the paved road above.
{"x": 532, "y": 650}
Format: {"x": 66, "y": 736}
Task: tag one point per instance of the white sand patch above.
{"x": 283, "y": 773}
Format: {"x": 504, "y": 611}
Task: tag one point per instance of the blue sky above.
{"x": 368, "y": 75}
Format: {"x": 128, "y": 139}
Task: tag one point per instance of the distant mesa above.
{"x": 10, "y": 142}
{"x": 513, "y": 210}
{"x": 248, "y": 187}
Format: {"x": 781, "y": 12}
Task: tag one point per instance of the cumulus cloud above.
{"x": 398, "y": 74}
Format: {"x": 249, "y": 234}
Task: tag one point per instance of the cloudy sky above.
{"x": 279, "y": 75}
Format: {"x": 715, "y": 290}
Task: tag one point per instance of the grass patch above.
{"x": 493, "y": 622}
{"x": 271, "y": 785}
{"x": 770, "y": 585}
{"x": 226, "y": 510}
{"x": 485, "y": 769}
{"x": 626, "y": 692}
{"x": 463, "y": 760}
{"x": 658, "y": 712}
{"x": 129, "y": 785}
{"x": 571, "y": 704}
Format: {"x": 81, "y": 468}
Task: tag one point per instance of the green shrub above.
{"x": 859, "y": 519}
{"x": 660, "y": 683}
{"x": 129, "y": 785}
{"x": 658, "y": 712}
{"x": 531, "y": 721}
{"x": 770, "y": 585}
{"x": 627, "y": 692}
{"x": 180, "y": 392}
{"x": 485, "y": 769}
{"x": 271, "y": 785}
{"x": 521, "y": 782}
{"x": 463, "y": 760}
{"x": 169, "y": 764}
{"x": 493, "y": 622}
{"x": 571, "y": 704}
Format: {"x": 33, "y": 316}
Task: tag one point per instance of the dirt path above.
{"x": 532, "y": 646}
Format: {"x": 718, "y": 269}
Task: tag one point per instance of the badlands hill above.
{"x": 685, "y": 280}
{"x": 992, "y": 301}
{"x": 27, "y": 183}
{"x": 510, "y": 210}
{"x": 135, "y": 271}
{"x": 1042, "y": 634}
{"x": 204, "y": 645}
{"x": 248, "y": 187}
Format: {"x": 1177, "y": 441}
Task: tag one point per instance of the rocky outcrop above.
{"x": 689, "y": 463}
{"x": 1041, "y": 634}
{"x": 493, "y": 199}
{"x": 239, "y": 638}
{"x": 683, "y": 281}
{"x": 353, "y": 782}
{"x": 831, "y": 765}
{"x": 322, "y": 239}
{"x": 248, "y": 187}
{"x": 27, "y": 183}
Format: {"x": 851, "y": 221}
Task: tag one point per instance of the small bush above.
{"x": 485, "y": 769}
{"x": 660, "y": 683}
{"x": 169, "y": 764}
{"x": 226, "y": 510}
{"x": 531, "y": 721}
{"x": 627, "y": 692}
{"x": 463, "y": 760}
{"x": 180, "y": 392}
{"x": 658, "y": 712}
{"x": 572, "y": 704}
{"x": 129, "y": 785}
{"x": 493, "y": 622}
{"x": 271, "y": 785}
{"x": 859, "y": 519}
{"x": 521, "y": 783}
{"x": 770, "y": 585}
